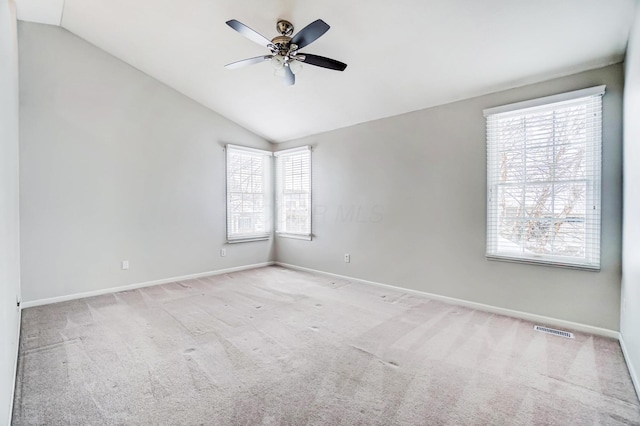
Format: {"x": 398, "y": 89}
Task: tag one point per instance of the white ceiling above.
{"x": 402, "y": 55}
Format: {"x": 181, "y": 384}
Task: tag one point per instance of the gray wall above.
{"x": 405, "y": 196}
{"x": 9, "y": 211}
{"x": 630, "y": 315}
{"x": 115, "y": 165}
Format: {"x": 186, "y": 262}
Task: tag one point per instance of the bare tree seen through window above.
{"x": 542, "y": 184}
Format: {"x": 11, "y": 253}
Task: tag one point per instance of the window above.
{"x": 248, "y": 194}
{"x": 543, "y": 180}
{"x": 293, "y": 192}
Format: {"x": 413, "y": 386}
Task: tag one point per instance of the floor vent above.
{"x": 553, "y": 331}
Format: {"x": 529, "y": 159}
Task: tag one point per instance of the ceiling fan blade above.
{"x": 249, "y": 61}
{"x": 249, "y": 33}
{"x": 289, "y": 78}
{"x": 321, "y": 61}
{"x": 310, "y": 33}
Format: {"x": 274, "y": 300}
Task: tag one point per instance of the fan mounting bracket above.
{"x": 284, "y": 27}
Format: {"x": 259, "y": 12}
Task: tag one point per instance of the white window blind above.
{"x": 248, "y": 193}
{"x": 293, "y": 192}
{"x": 544, "y": 160}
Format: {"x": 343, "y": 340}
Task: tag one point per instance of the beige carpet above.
{"x": 273, "y": 346}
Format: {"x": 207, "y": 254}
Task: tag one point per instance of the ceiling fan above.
{"x": 284, "y": 55}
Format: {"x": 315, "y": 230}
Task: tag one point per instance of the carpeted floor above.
{"x": 274, "y": 346}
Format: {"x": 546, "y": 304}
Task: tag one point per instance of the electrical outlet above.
{"x": 125, "y": 265}
{"x": 347, "y": 258}
{"x": 223, "y": 252}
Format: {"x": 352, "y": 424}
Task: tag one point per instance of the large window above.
{"x": 293, "y": 192}
{"x": 248, "y": 194}
{"x": 543, "y": 180}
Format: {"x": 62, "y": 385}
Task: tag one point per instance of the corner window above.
{"x": 293, "y": 192}
{"x": 248, "y": 193}
{"x": 544, "y": 160}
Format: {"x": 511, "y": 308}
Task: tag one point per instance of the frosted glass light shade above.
{"x": 277, "y": 62}
{"x": 295, "y": 66}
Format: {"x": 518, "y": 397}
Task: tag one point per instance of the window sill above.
{"x": 294, "y": 236}
{"x": 558, "y": 263}
{"x": 247, "y": 240}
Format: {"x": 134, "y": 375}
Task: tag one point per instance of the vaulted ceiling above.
{"x": 402, "y": 55}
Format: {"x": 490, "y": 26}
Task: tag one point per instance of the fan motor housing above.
{"x": 282, "y": 40}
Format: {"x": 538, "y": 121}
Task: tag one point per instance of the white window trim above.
{"x": 539, "y": 105}
{"x": 292, "y": 150}
{"x": 268, "y": 197}
{"x": 249, "y": 149}
{"x": 521, "y": 107}
{"x": 296, "y": 236}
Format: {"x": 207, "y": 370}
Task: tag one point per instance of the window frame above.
{"x": 267, "y": 193}
{"x": 593, "y": 181}
{"x": 279, "y": 195}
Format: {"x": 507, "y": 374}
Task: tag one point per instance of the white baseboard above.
{"x": 68, "y": 297}
{"x": 632, "y": 371}
{"x": 473, "y": 305}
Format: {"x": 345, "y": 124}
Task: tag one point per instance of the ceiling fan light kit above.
{"x": 284, "y": 57}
